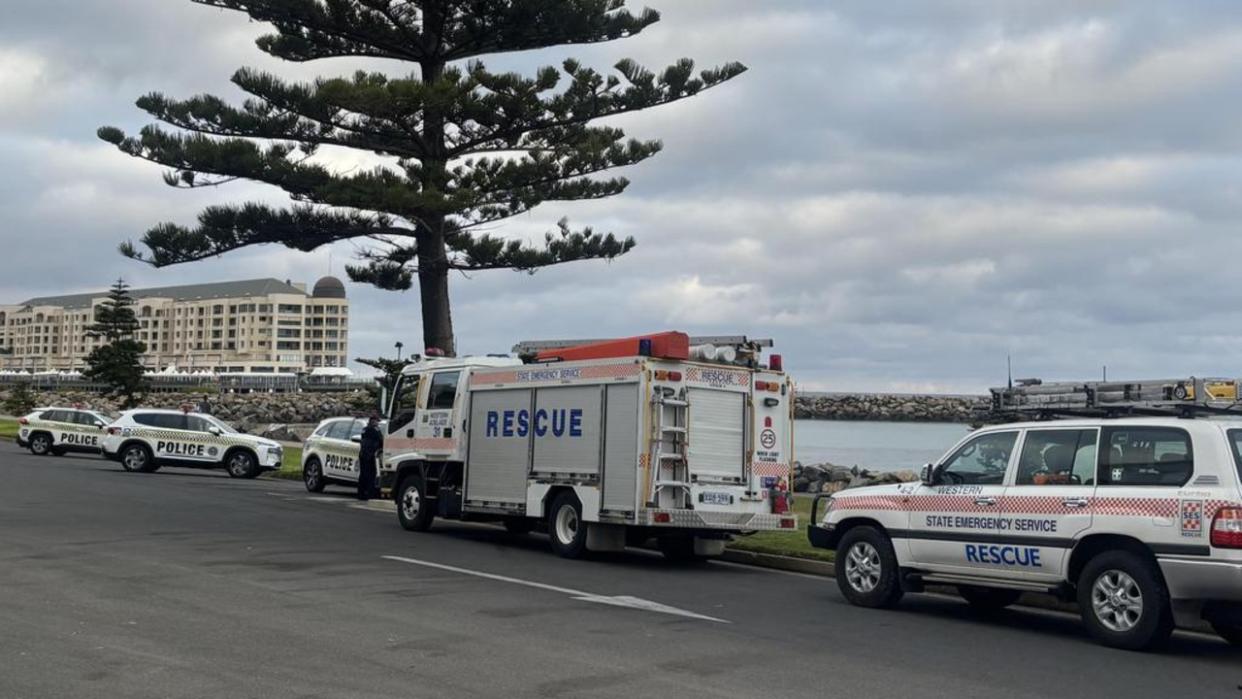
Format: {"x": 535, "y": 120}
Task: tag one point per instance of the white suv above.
{"x": 144, "y": 440}
{"x": 330, "y": 454}
{"x": 61, "y": 430}
{"x": 1139, "y": 520}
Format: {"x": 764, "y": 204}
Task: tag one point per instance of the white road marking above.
{"x": 579, "y": 595}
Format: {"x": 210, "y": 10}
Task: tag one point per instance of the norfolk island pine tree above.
{"x": 117, "y": 363}
{"x": 469, "y": 148}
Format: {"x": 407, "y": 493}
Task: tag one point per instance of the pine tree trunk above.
{"x": 433, "y": 288}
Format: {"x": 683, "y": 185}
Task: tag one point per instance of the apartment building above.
{"x": 257, "y": 326}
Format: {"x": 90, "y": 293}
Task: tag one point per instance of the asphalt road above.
{"x": 188, "y": 584}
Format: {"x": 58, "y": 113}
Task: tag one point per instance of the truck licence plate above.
{"x": 710, "y": 498}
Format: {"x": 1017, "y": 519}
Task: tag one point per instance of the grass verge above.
{"x": 8, "y": 429}
{"x": 786, "y": 543}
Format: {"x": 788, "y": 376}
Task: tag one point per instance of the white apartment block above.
{"x": 258, "y": 326}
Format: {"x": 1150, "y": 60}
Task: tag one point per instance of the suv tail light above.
{"x": 22, "y": 421}
{"x": 1227, "y": 528}
{"x": 113, "y": 430}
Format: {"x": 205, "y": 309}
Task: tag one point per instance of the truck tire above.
{"x": 566, "y": 529}
{"x": 1232, "y": 633}
{"x": 988, "y": 599}
{"x": 413, "y": 508}
{"x": 1124, "y": 601}
{"x": 679, "y": 549}
{"x": 312, "y": 476}
{"x": 40, "y": 444}
{"x": 519, "y": 525}
{"x": 240, "y": 463}
{"x": 136, "y": 458}
{"x": 866, "y": 568}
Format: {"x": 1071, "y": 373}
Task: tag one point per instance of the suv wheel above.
{"x": 867, "y": 568}
{"x": 241, "y": 464}
{"x": 1230, "y": 632}
{"x": 988, "y": 599}
{"x": 312, "y": 476}
{"x": 40, "y": 444}
{"x": 565, "y": 527}
{"x": 136, "y": 458}
{"x": 414, "y": 511}
{"x": 1124, "y": 601}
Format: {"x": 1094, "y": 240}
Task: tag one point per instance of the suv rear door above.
{"x": 1143, "y": 472}
{"x": 1049, "y": 503}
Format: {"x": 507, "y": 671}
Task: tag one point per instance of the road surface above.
{"x": 189, "y": 584}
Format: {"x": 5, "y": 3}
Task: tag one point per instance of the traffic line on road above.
{"x": 618, "y": 601}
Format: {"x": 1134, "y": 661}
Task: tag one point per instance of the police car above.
{"x": 61, "y": 430}
{"x": 144, "y": 440}
{"x": 330, "y": 454}
{"x": 1139, "y": 520}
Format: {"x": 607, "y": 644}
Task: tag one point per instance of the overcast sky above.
{"x": 899, "y": 193}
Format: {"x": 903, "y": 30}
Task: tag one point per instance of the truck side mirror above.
{"x": 929, "y": 474}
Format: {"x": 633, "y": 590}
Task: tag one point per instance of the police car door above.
{"x": 342, "y": 450}
{"x": 1049, "y": 504}
{"x": 210, "y": 446}
{"x": 961, "y": 510}
{"x": 436, "y": 431}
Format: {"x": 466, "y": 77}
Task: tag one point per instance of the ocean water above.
{"x": 879, "y": 446}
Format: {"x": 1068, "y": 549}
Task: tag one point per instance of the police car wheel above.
{"x": 988, "y": 599}
{"x": 241, "y": 464}
{"x": 1232, "y": 633}
{"x": 136, "y": 459}
{"x": 1124, "y": 601}
{"x": 40, "y": 444}
{"x": 312, "y": 476}
{"x": 866, "y": 567}
{"x": 566, "y": 529}
{"x": 413, "y": 509}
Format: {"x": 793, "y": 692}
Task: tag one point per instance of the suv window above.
{"x": 1145, "y": 456}
{"x": 355, "y": 429}
{"x": 89, "y": 419}
{"x": 339, "y": 430}
{"x": 197, "y": 424}
{"x": 324, "y": 429}
{"x": 57, "y": 416}
{"x": 981, "y": 461}
{"x": 1235, "y": 441}
{"x": 443, "y": 391}
{"x": 164, "y": 421}
{"x": 1057, "y": 457}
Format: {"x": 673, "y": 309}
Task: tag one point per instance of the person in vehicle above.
{"x": 369, "y": 448}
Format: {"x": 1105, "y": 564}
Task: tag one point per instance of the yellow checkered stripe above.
{"x": 61, "y": 426}
{"x": 191, "y": 438}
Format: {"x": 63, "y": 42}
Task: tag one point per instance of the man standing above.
{"x": 369, "y": 447}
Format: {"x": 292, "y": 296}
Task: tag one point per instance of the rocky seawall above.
{"x": 829, "y": 478}
{"x": 887, "y": 406}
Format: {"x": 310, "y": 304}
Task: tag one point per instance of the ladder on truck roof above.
{"x": 527, "y": 347}
{"x": 1158, "y": 397}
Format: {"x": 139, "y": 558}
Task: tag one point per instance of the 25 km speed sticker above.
{"x": 767, "y": 438}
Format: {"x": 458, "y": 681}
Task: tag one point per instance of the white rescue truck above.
{"x": 607, "y": 442}
{"x": 1133, "y": 510}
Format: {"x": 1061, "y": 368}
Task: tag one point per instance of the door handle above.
{"x": 1075, "y": 503}
{"x": 985, "y": 502}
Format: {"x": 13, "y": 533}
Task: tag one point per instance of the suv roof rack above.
{"x": 1189, "y": 397}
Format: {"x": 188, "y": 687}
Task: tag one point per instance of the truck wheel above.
{"x": 565, "y": 527}
{"x": 413, "y": 509}
{"x": 241, "y": 464}
{"x": 519, "y": 525}
{"x": 866, "y": 567}
{"x": 136, "y": 458}
{"x": 679, "y": 549}
{"x": 1124, "y": 601}
{"x": 312, "y": 476}
{"x": 988, "y": 599}
{"x": 40, "y": 444}
{"x": 1232, "y": 633}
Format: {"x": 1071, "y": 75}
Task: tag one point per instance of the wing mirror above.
{"x": 928, "y": 475}
{"x": 216, "y": 431}
{"x": 99, "y": 424}
{"x": 356, "y": 439}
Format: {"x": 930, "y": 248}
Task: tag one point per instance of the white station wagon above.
{"x": 1139, "y": 520}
